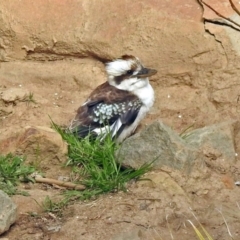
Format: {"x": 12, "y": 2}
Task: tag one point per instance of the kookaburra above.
{"x": 118, "y": 105}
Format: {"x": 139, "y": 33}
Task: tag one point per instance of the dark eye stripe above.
{"x": 127, "y": 74}
{"x": 119, "y": 79}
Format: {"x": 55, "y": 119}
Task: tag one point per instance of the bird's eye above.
{"x": 130, "y": 72}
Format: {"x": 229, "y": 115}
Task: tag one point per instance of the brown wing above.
{"x": 100, "y": 109}
{"x": 107, "y": 93}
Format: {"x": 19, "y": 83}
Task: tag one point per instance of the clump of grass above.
{"x": 29, "y": 98}
{"x": 48, "y": 205}
{"x": 13, "y": 171}
{"x": 94, "y": 162}
{"x": 186, "y": 132}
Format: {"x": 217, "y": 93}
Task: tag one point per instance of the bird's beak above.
{"x": 146, "y": 72}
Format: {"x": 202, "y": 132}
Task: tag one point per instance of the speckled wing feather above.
{"x": 106, "y": 106}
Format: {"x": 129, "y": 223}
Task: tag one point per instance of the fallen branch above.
{"x": 51, "y": 181}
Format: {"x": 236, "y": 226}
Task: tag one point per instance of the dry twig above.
{"x": 51, "y": 181}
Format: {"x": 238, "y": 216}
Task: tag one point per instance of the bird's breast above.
{"x": 146, "y": 95}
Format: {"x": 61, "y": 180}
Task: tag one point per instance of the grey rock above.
{"x": 160, "y": 143}
{"x": 8, "y": 212}
{"x": 215, "y": 141}
{"x": 213, "y": 145}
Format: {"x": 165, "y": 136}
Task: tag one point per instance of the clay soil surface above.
{"x": 146, "y": 211}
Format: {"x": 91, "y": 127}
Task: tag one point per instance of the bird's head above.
{"x": 128, "y": 73}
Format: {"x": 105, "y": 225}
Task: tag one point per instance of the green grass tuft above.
{"x": 29, "y": 98}
{"x": 94, "y": 165}
{"x": 186, "y": 132}
{"x": 48, "y": 205}
{"x": 13, "y": 171}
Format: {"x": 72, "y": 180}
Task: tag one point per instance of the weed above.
{"x": 186, "y": 132}
{"x": 29, "y": 98}
{"x": 49, "y": 205}
{"x": 12, "y": 171}
{"x": 94, "y": 162}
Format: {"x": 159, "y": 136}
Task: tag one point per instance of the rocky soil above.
{"x": 52, "y": 56}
